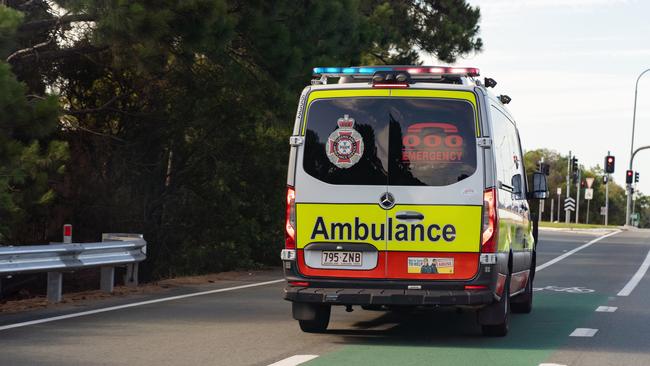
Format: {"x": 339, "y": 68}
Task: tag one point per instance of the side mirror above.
{"x": 539, "y": 188}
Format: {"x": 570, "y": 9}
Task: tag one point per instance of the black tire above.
{"x": 319, "y": 323}
{"x": 523, "y": 303}
{"x": 500, "y": 329}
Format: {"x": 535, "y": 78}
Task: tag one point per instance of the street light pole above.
{"x": 629, "y": 186}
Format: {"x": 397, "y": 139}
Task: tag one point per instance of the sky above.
{"x": 570, "y": 67}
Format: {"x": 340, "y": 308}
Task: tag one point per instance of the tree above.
{"x": 31, "y": 158}
{"x": 177, "y": 113}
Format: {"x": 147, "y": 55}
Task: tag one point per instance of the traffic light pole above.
{"x": 578, "y": 195}
{"x": 628, "y": 207}
{"x": 567, "y": 212}
{"x": 607, "y": 201}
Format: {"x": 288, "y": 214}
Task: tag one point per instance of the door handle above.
{"x": 409, "y": 215}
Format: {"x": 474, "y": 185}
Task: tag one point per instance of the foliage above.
{"x": 557, "y": 179}
{"x": 31, "y": 158}
{"x": 177, "y": 113}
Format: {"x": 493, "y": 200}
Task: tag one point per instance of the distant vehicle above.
{"x": 407, "y": 188}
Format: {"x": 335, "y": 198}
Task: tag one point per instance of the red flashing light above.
{"x": 489, "y": 236}
{"x": 67, "y": 230}
{"x": 475, "y": 287}
{"x": 441, "y": 70}
{"x": 290, "y": 224}
{"x": 299, "y": 283}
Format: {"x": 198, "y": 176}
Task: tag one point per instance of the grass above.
{"x": 574, "y": 225}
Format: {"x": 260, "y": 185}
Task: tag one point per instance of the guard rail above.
{"x": 115, "y": 249}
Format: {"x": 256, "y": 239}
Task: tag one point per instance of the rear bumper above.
{"x": 366, "y": 296}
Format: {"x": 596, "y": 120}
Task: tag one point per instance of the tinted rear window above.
{"x": 390, "y": 141}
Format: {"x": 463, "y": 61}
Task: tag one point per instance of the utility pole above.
{"x": 567, "y": 212}
{"x": 541, "y": 202}
{"x": 559, "y": 202}
{"x": 628, "y": 187}
{"x": 552, "y": 209}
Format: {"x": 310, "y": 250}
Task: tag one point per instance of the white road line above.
{"x": 126, "y": 306}
{"x": 638, "y": 276}
{"x": 551, "y": 364}
{"x": 583, "y": 332}
{"x": 574, "y": 250}
{"x": 606, "y": 309}
{"x": 294, "y": 360}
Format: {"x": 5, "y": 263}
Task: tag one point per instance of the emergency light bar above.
{"x": 413, "y": 70}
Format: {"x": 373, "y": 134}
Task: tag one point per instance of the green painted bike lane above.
{"x": 448, "y": 338}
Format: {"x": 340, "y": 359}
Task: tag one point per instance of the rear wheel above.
{"x": 495, "y": 318}
{"x": 319, "y": 322}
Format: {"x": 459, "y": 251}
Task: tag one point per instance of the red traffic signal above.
{"x": 628, "y": 176}
{"x": 609, "y": 164}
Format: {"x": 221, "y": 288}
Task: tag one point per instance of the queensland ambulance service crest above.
{"x": 344, "y": 145}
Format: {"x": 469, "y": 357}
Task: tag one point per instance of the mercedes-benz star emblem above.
{"x": 387, "y": 201}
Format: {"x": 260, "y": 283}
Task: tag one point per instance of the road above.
{"x": 253, "y": 326}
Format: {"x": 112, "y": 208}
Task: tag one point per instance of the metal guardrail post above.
{"x": 54, "y": 286}
{"x": 131, "y": 276}
{"x": 107, "y": 279}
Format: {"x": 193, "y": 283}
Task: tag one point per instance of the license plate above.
{"x": 342, "y": 258}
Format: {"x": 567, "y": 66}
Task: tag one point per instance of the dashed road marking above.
{"x": 606, "y": 309}
{"x": 631, "y": 285}
{"x": 294, "y": 360}
{"x": 572, "y": 251}
{"x": 584, "y": 332}
{"x": 551, "y": 364}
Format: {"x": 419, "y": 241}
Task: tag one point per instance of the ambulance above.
{"x": 407, "y": 188}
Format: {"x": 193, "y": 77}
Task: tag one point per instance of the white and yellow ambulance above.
{"x": 407, "y": 188}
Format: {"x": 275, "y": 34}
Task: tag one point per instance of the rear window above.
{"x": 390, "y": 141}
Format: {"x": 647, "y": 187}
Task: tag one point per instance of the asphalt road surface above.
{"x": 246, "y": 322}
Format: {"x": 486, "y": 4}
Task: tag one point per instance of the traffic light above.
{"x": 574, "y": 169}
{"x": 546, "y": 169}
{"x": 628, "y": 176}
{"x": 609, "y": 164}
{"x": 574, "y": 165}
{"x": 636, "y": 177}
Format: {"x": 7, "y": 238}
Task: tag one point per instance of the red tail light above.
{"x": 299, "y": 283}
{"x": 490, "y": 226}
{"x": 475, "y": 287}
{"x": 290, "y": 224}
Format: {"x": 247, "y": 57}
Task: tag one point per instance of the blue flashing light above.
{"x": 372, "y": 70}
{"x": 350, "y": 70}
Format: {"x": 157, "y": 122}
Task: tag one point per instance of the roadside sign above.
{"x": 589, "y": 181}
{"x": 603, "y": 211}
{"x": 589, "y": 193}
{"x": 559, "y": 191}
{"x": 570, "y": 204}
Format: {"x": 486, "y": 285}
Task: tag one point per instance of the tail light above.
{"x": 290, "y": 224}
{"x": 489, "y": 232}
